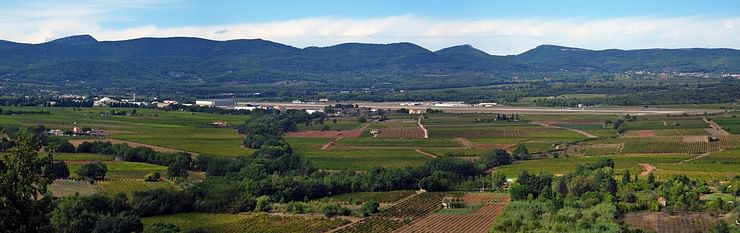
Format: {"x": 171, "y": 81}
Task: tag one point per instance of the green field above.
{"x": 245, "y": 222}
{"x": 730, "y": 124}
{"x": 565, "y": 165}
{"x": 173, "y": 129}
{"x": 364, "y": 159}
{"x": 363, "y": 197}
{"x": 122, "y": 170}
{"x": 82, "y": 157}
{"x": 128, "y": 187}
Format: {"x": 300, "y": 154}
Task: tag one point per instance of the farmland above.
{"x": 398, "y": 215}
{"x": 555, "y": 144}
{"x": 128, "y": 187}
{"x": 179, "y": 130}
{"x": 238, "y": 223}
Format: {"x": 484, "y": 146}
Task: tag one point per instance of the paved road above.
{"x": 505, "y": 109}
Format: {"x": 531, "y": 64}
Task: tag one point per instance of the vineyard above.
{"x": 678, "y": 146}
{"x": 492, "y": 198}
{"x": 363, "y": 197}
{"x": 401, "y": 132}
{"x": 478, "y": 133}
{"x": 401, "y": 214}
{"x": 663, "y": 223}
{"x": 602, "y": 149}
{"x": 478, "y": 221}
{"x": 233, "y": 223}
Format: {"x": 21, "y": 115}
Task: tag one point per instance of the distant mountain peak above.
{"x": 559, "y": 48}
{"x": 75, "y": 40}
{"x": 464, "y": 49}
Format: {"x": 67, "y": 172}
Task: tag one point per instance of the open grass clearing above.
{"x": 65, "y": 188}
{"x": 364, "y": 159}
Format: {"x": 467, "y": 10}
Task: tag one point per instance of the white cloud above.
{"x": 496, "y": 36}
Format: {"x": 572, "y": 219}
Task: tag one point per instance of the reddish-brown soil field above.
{"x": 486, "y": 198}
{"x": 647, "y": 133}
{"x": 401, "y": 132}
{"x": 325, "y": 134}
{"x": 480, "y": 221}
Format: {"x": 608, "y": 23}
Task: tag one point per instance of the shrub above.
{"x": 370, "y": 208}
{"x": 152, "y": 177}
{"x": 332, "y": 210}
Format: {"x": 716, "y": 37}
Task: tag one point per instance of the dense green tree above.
{"x": 334, "y": 209}
{"x": 498, "y": 179}
{"x": 24, "y": 199}
{"x": 369, "y": 208}
{"x": 97, "y": 213}
{"x": 126, "y": 222}
{"x": 520, "y": 152}
{"x": 152, "y": 177}
{"x": 59, "y": 169}
{"x": 626, "y": 176}
{"x": 496, "y": 158}
{"x": 93, "y": 171}
{"x": 162, "y": 228}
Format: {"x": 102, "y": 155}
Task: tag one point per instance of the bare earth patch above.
{"x": 648, "y": 169}
{"x": 64, "y": 188}
{"x": 646, "y": 133}
{"x": 695, "y": 138}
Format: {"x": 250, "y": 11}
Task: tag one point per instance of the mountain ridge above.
{"x": 192, "y": 60}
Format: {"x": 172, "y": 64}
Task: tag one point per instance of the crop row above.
{"x": 401, "y": 132}
{"x": 478, "y": 222}
{"x": 401, "y": 214}
{"x": 670, "y": 147}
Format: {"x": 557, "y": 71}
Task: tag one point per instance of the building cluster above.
{"x": 231, "y": 104}
{"x": 77, "y": 131}
{"x": 109, "y": 101}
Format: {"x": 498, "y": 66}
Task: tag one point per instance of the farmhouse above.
{"x": 452, "y": 202}
{"x": 417, "y": 111}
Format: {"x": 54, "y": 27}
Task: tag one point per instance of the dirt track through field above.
{"x": 425, "y": 153}
{"x": 717, "y": 129}
{"x": 584, "y": 133}
{"x": 331, "y": 143}
{"x": 426, "y": 132}
{"x": 648, "y": 169}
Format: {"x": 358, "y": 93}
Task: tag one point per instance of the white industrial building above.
{"x": 216, "y": 102}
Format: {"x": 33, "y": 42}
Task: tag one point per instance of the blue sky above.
{"x": 498, "y": 27}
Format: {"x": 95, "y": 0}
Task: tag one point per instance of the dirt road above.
{"x": 462, "y": 108}
{"x": 716, "y": 128}
{"x": 584, "y": 133}
{"x": 426, "y": 133}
